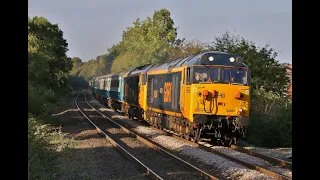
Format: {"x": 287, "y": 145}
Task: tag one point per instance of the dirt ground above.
{"x": 91, "y": 156}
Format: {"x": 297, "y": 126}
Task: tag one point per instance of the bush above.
{"x": 36, "y": 102}
{"x": 49, "y": 96}
{"x": 44, "y": 140}
{"x": 40, "y": 99}
{"x": 39, "y": 155}
{"x": 270, "y": 120}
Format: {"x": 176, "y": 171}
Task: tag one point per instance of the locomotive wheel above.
{"x": 196, "y": 135}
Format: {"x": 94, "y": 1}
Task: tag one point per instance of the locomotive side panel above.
{"x": 163, "y": 92}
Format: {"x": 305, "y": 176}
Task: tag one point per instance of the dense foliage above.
{"x": 48, "y": 63}
{"x": 266, "y": 72}
{"x": 270, "y": 119}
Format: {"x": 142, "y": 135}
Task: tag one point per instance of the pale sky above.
{"x": 92, "y": 26}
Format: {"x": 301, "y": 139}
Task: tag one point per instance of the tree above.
{"x": 147, "y": 41}
{"x": 77, "y": 63}
{"x": 101, "y": 68}
{"x": 102, "y": 64}
{"x": 186, "y": 48}
{"x": 89, "y": 69}
{"x": 48, "y": 63}
{"x": 124, "y": 62}
{"x": 151, "y": 38}
{"x": 266, "y": 72}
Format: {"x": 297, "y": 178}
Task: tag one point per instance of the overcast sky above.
{"x": 92, "y": 26}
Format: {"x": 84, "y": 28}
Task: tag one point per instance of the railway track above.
{"x": 205, "y": 145}
{"x": 274, "y": 160}
{"x": 166, "y": 165}
{"x": 209, "y": 148}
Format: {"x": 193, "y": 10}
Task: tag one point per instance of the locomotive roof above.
{"x": 140, "y": 69}
{"x": 219, "y": 58}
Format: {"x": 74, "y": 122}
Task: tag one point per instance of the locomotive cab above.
{"x": 219, "y": 89}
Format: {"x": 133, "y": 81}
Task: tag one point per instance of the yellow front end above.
{"x": 219, "y": 100}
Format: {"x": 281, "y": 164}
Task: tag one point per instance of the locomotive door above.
{"x": 176, "y": 85}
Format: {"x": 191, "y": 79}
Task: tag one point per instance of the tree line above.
{"x": 154, "y": 40}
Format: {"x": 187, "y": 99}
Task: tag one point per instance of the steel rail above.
{"x": 274, "y": 160}
{"x": 115, "y": 144}
{"x": 207, "y": 147}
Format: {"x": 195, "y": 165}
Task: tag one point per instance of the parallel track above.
{"x": 144, "y": 141}
{"x": 116, "y": 145}
{"x": 207, "y": 147}
{"x": 274, "y": 160}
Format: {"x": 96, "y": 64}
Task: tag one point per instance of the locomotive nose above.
{"x": 221, "y": 100}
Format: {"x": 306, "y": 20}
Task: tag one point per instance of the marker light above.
{"x": 232, "y": 59}
{"x": 239, "y": 59}
{"x": 211, "y": 58}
